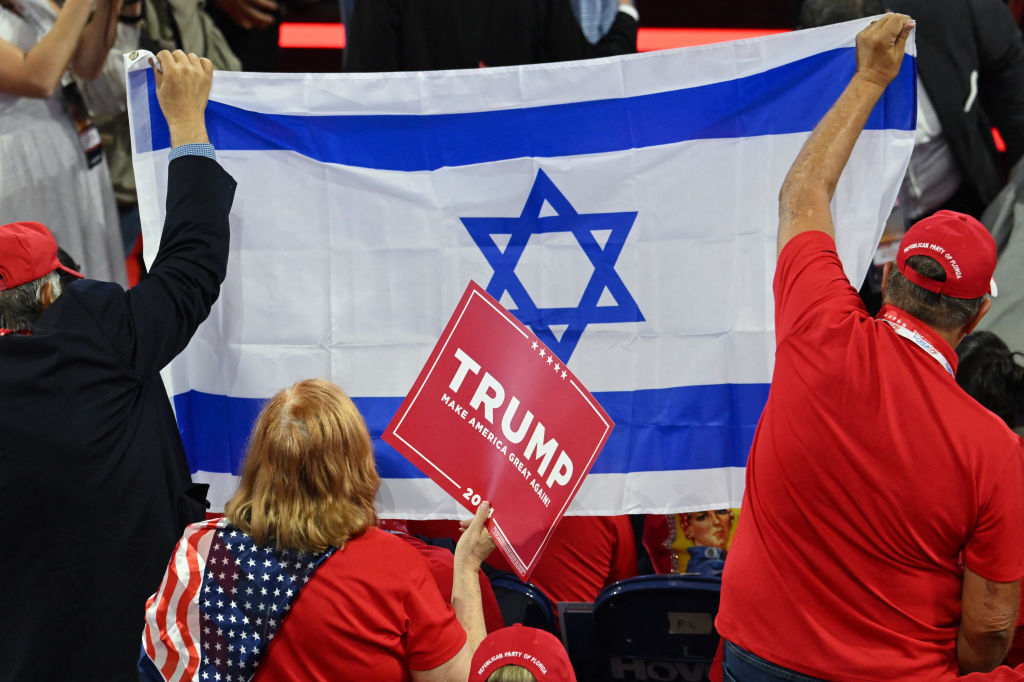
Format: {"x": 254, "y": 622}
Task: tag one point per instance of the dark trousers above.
{"x": 739, "y": 665}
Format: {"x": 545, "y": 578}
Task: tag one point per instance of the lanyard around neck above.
{"x": 923, "y": 343}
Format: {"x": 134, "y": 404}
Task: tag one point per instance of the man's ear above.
{"x": 886, "y": 269}
{"x": 46, "y": 296}
{"x": 985, "y": 306}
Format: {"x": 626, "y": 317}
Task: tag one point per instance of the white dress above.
{"x": 44, "y": 175}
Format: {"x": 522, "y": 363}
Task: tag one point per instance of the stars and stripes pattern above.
{"x": 221, "y": 602}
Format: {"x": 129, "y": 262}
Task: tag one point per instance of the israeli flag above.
{"x": 625, "y": 209}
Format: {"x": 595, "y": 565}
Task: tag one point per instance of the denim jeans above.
{"x": 739, "y": 665}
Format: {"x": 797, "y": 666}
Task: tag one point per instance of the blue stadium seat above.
{"x": 522, "y": 602}
{"x": 658, "y": 627}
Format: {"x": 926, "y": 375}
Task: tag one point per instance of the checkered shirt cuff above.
{"x": 193, "y": 149}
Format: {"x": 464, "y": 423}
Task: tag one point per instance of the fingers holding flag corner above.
{"x": 881, "y": 46}
{"x": 183, "y": 87}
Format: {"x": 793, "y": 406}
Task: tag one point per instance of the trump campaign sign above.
{"x": 495, "y": 415}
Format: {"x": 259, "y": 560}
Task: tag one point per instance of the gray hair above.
{"x": 21, "y": 306}
{"x": 936, "y": 310}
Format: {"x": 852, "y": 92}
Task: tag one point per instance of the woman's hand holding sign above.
{"x": 475, "y": 544}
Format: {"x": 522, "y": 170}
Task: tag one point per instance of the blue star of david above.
{"x": 582, "y": 226}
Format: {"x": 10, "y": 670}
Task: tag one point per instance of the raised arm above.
{"x": 97, "y": 39}
{"x": 166, "y": 308}
{"x": 806, "y": 194}
{"x": 37, "y": 72}
{"x": 473, "y": 547}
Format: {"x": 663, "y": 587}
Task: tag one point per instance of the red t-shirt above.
{"x": 372, "y": 611}
{"x": 871, "y": 473}
{"x": 584, "y": 555}
{"x": 442, "y": 566}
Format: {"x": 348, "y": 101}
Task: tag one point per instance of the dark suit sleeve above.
{"x": 163, "y": 311}
{"x": 620, "y": 38}
{"x": 563, "y": 38}
{"x": 373, "y": 38}
{"x": 1001, "y": 77}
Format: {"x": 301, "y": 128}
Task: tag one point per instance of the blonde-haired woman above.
{"x": 296, "y": 582}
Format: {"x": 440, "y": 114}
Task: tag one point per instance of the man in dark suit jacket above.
{"x": 423, "y": 35}
{"x": 971, "y": 59}
{"x": 971, "y": 64}
{"x": 94, "y": 484}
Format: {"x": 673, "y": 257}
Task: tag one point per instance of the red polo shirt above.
{"x": 872, "y": 475}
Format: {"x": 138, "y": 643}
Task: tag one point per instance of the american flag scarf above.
{"x": 220, "y": 604}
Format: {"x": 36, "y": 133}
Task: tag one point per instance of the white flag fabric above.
{"x": 625, "y": 209}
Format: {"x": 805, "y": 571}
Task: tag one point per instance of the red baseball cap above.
{"x": 538, "y": 651}
{"x": 961, "y": 245}
{"x": 27, "y": 252}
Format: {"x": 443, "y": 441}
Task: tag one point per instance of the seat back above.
{"x": 523, "y": 603}
{"x": 658, "y": 627}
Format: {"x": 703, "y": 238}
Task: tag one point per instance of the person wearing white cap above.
{"x": 882, "y": 534}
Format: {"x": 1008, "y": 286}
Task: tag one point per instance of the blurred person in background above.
{"x": 1005, "y": 219}
{"x": 584, "y": 555}
{"x": 970, "y": 77}
{"x": 251, "y": 28}
{"x": 152, "y": 25}
{"x": 992, "y": 374}
{"x": 441, "y": 561}
{"x": 415, "y": 35}
{"x": 595, "y": 17}
{"x": 52, "y": 166}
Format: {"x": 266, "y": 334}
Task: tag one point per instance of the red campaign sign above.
{"x": 495, "y": 416}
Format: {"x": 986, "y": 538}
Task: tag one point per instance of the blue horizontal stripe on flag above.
{"x": 788, "y": 99}
{"x": 693, "y": 427}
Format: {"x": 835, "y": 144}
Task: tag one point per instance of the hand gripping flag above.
{"x": 624, "y": 209}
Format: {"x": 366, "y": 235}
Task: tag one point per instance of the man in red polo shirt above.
{"x": 882, "y": 534}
